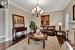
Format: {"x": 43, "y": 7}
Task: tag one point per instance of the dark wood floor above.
{"x": 7, "y": 44}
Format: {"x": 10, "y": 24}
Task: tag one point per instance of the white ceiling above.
{"x": 1, "y": 1}
{"x": 47, "y": 5}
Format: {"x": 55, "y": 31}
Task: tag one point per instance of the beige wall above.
{"x": 69, "y": 10}
{"x": 54, "y": 18}
{"x": 2, "y": 24}
{"x": 57, "y": 17}
{"x": 15, "y": 10}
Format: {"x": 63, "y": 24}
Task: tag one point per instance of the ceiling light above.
{"x": 37, "y": 10}
{"x": 4, "y": 3}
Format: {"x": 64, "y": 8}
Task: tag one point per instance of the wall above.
{"x": 15, "y": 10}
{"x": 2, "y": 25}
{"x": 69, "y": 10}
{"x": 57, "y": 17}
{"x": 54, "y": 18}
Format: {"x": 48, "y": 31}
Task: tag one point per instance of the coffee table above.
{"x": 38, "y": 39}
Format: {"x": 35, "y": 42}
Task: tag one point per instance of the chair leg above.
{"x": 43, "y": 44}
{"x": 28, "y": 40}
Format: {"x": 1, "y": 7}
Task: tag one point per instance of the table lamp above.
{"x": 60, "y": 26}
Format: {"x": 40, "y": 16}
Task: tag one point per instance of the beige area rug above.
{"x": 50, "y": 44}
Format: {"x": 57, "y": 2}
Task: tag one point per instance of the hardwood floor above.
{"x": 2, "y": 46}
{"x": 7, "y": 44}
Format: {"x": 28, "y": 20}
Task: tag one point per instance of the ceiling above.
{"x": 47, "y": 5}
{"x": 0, "y": 2}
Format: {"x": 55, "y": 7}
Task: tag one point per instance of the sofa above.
{"x": 49, "y": 30}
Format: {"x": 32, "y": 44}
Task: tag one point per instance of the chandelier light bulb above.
{"x": 41, "y": 12}
{"x": 35, "y": 9}
{"x": 5, "y": 6}
{"x": 3, "y": 3}
{"x": 39, "y": 9}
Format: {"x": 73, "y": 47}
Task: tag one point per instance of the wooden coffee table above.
{"x": 38, "y": 39}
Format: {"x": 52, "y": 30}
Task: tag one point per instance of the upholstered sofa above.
{"x": 49, "y": 30}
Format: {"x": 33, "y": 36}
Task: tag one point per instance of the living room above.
{"x": 59, "y": 13}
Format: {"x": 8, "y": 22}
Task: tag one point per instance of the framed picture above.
{"x": 44, "y": 20}
{"x": 74, "y": 12}
{"x": 18, "y": 21}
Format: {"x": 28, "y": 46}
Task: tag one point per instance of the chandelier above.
{"x": 37, "y": 10}
{"x": 4, "y": 3}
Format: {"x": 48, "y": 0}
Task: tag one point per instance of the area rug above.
{"x": 50, "y": 44}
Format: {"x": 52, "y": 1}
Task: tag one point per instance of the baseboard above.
{"x": 2, "y": 41}
{"x": 8, "y": 39}
{"x": 3, "y": 36}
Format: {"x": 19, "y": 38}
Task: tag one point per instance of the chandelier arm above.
{"x": 37, "y": 5}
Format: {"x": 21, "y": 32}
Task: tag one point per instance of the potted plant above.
{"x": 32, "y": 26}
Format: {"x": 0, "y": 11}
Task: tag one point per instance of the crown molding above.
{"x": 45, "y": 11}
{"x": 53, "y": 10}
{"x": 66, "y": 4}
{"x": 3, "y": 36}
{"x": 19, "y": 7}
{"x": 59, "y": 9}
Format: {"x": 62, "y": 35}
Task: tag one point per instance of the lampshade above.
{"x": 59, "y": 24}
